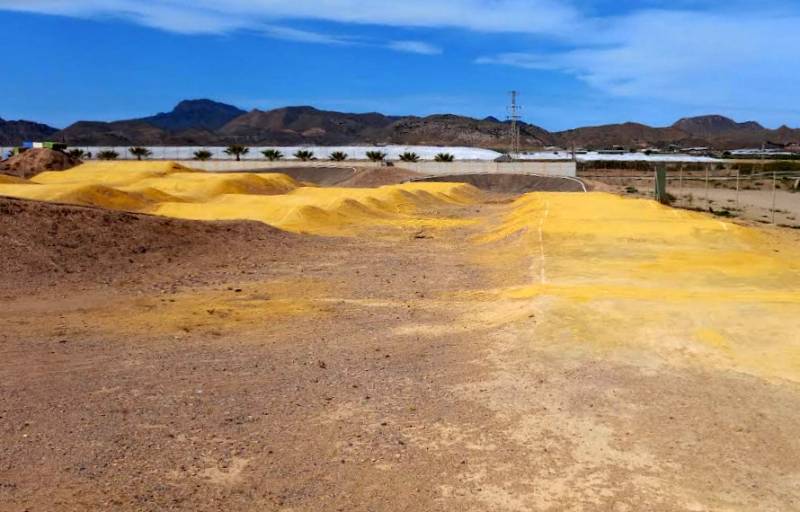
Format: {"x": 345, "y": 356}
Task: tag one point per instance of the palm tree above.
{"x": 77, "y": 154}
{"x": 237, "y": 150}
{"x": 338, "y": 156}
{"x": 139, "y": 152}
{"x": 304, "y": 155}
{"x": 409, "y": 157}
{"x": 444, "y": 157}
{"x": 376, "y": 156}
{"x": 202, "y": 155}
{"x": 107, "y": 155}
{"x": 272, "y": 154}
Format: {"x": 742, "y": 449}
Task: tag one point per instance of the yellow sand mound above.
{"x": 6, "y": 179}
{"x": 333, "y": 211}
{"x": 619, "y": 274}
{"x": 198, "y": 186}
{"x": 167, "y": 188}
{"x": 111, "y": 173}
{"x": 87, "y": 195}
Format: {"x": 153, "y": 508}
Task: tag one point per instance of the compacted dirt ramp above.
{"x": 512, "y": 183}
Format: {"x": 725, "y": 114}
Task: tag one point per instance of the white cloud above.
{"x": 414, "y": 47}
{"x": 197, "y": 16}
{"x": 302, "y": 36}
{"x": 694, "y": 58}
{"x": 740, "y": 53}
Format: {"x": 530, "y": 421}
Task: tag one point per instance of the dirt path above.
{"x": 368, "y": 374}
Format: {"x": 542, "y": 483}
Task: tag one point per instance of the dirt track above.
{"x": 284, "y": 372}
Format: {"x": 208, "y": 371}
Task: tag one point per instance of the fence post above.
{"x": 737, "y": 188}
{"x": 774, "y": 183}
{"x": 661, "y": 183}
{"x": 708, "y": 203}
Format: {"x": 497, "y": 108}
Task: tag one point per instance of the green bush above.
{"x": 376, "y": 156}
{"x": 202, "y": 155}
{"x": 408, "y": 156}
{"x": 272, "y": 154}
{"x": 107, "y": 155}
{"x": 304, "y": 155}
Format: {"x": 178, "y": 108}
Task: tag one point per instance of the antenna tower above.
{"x": 514, "y": 116}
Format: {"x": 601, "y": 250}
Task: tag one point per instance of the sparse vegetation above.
{"x": 782, "y": 166}
{"x": 202, "y": 155}
{"x": 444, "y": 157}
{"x": 237, "y": 150}
{"x": 631, "y": 190}
{"x": 77, "y": 154}
{"x": 409, "y": 156}
{"x": 376, "y": 156}
{"x": 304, "y": 155}
{"x": 338, "y": 156}
{"x": 140, "y": 152}
{"x": 272, "y": 154}
{"x": 107, "y": 155}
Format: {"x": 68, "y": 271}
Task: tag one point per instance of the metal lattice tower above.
{"x": 514, "y": 116}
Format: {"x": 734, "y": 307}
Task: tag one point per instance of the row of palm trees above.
{"x": 305, "y": 155}
{"x": 238, "y": 150}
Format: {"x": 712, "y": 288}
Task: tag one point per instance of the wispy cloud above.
{"x": 702, "y": 58}
{"x": 197, "y": 16}
{"x": 710, "y": 52}
{"x": 303, "y": 36}
{"x": 414, "y": 47}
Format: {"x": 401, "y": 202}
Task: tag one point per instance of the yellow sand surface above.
{"x": 617, "y": 274}
{"x": 6, "y": 179}
{"x": 169, "y": 189}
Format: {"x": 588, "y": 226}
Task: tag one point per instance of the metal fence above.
{"x": 726, "y": 191}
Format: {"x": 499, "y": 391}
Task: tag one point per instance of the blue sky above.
{"x": 575, "y": 62}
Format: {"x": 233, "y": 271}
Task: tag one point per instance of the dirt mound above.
{"x": 512, "y": 183}
{"x": 324, "y": 176}
{"x": 381, "y": 176}
{"x": 34, "y": 161}
{"x": 44, "y": 242}
{"x": 349, "y": 176}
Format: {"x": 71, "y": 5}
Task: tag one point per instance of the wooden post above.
{"x": 708, "y": 203}
{"x": 774, "y": 184}
{"x": 737, "y": 188}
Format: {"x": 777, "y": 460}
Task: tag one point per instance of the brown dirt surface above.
{"x": 45, "y": 243}
{"x": 376, "y": 177}
{"x": 323, "y": 176}
{"x": 34, "y": 161}
{"x": 512, "y": 183}
{"x": 232, "y": 367}
{"x": 358, "y": 177}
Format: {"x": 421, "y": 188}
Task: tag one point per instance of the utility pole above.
{"x": 514, "y": 116}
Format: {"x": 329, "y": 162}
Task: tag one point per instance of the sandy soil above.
{"x": 232, "y": 367}
{"x": 753, "y": 205}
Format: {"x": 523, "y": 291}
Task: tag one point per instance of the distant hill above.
{"x": 194, "y": 114}
{"x": 206, "y": 123}
{"x": 714, "y": 126}
{"x": 305, "y": 125}
{"x": 13, "y": 133}
{"x": 629, "y": 135}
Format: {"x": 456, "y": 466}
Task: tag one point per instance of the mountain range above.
{"x": 210, "y": 123}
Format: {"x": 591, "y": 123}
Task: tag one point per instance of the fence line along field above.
{"x": 176, "y": 339}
